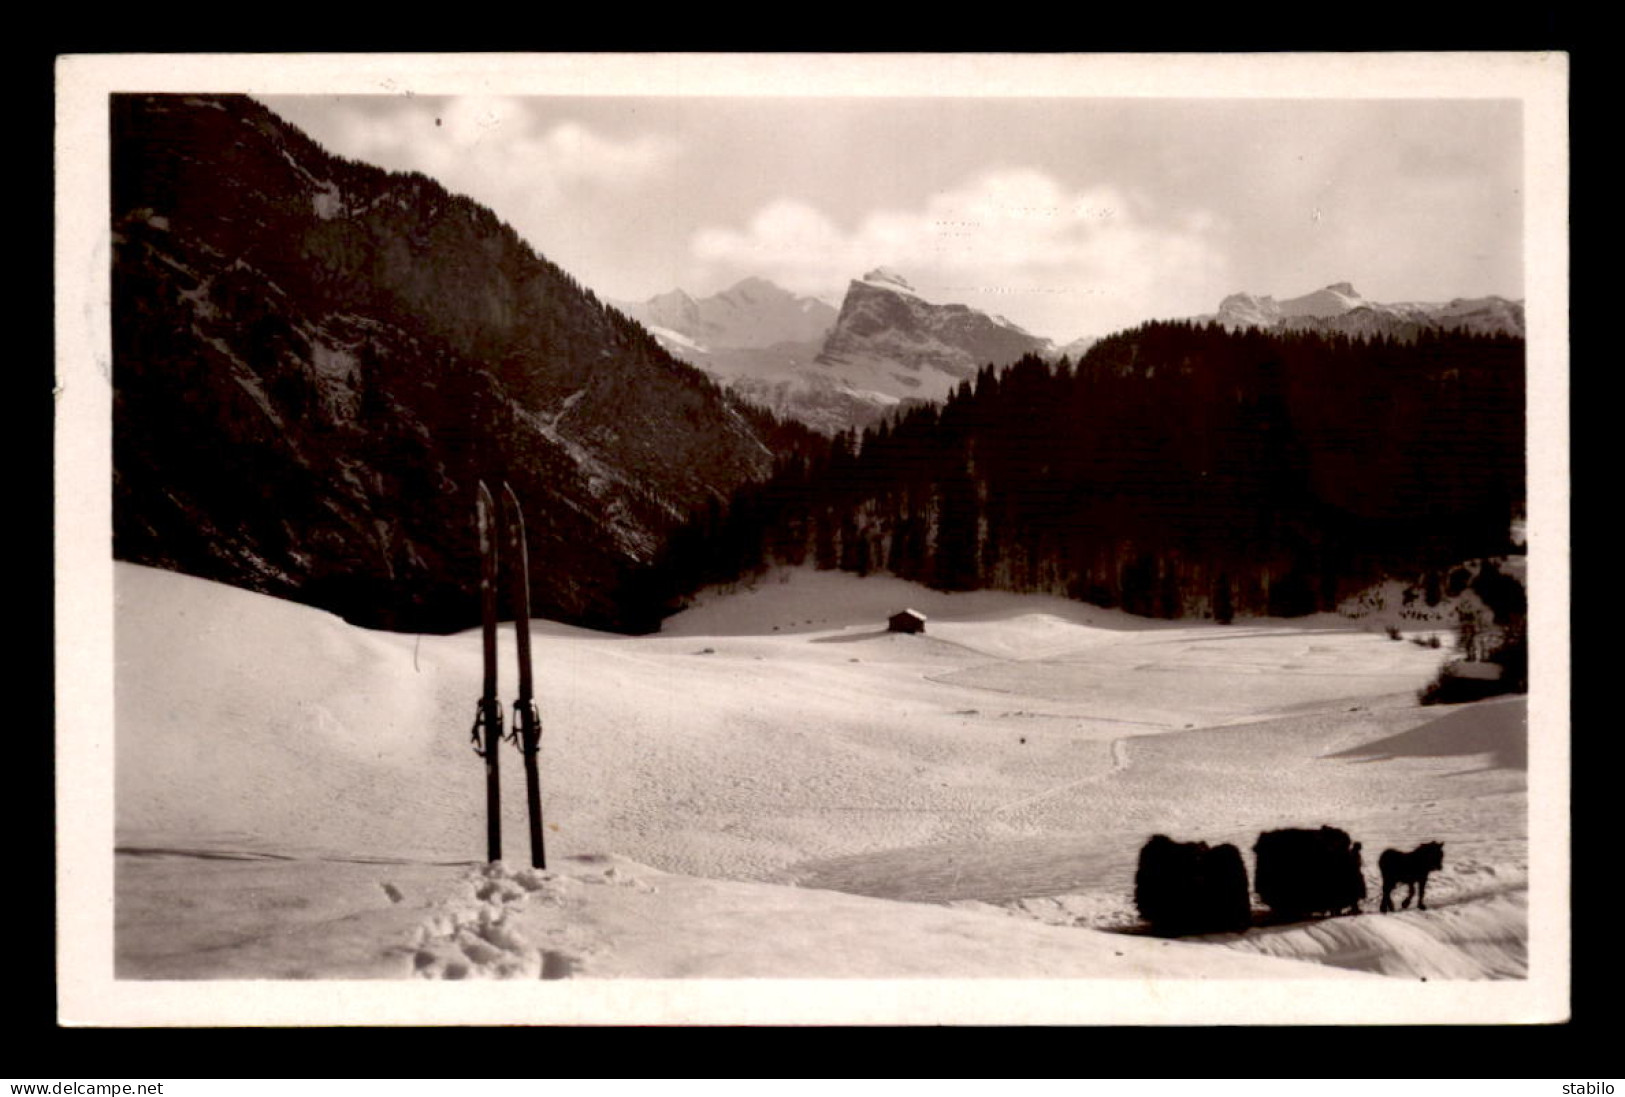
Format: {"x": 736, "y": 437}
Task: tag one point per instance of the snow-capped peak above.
{"x": 1334, "y": 300}
{"x": 887, "y": 278}
{"x": 1005, "y": 321}
{"x": 751, "y": 290}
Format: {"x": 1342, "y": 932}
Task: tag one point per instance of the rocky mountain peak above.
{"x": 890, "y": 340}
{"x": 889, "y": 278}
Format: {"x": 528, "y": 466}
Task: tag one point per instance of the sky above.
{"x": 1070, "y": 216}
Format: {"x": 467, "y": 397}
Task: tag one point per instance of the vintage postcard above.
{"x": 827, "y": 539}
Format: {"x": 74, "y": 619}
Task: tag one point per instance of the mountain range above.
{"x": 1340, "y": 308}
{"x": 835, "y": 369}
{"x": 887, "y": 346}
{"x": 753, "y": 313}
{"x": 760, "y": 341}
{"x": 316, "y": 360}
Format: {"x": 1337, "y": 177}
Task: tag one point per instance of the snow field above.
{"x": 607, "y": 917}
{"x": 179, "y": 916}
{"x": 1009, "y": 762}
{"x": 1481, "y": 941}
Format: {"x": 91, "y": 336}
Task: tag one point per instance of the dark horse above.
{"x": 1409, "y": 868}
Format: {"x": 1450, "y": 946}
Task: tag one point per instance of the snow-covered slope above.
{"x": 773, "y": 787}
{"x": 596, "y": 916}
{"x": 1333, "y": 300}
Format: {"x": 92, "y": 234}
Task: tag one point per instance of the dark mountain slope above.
{"x": 314, "y": 360}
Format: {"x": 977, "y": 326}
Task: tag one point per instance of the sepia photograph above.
{"x": 737, "y": 538}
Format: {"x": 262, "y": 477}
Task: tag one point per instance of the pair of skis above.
{"x": 525, "y": 732}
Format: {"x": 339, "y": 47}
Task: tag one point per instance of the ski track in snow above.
{"x": 1119, "y": 753}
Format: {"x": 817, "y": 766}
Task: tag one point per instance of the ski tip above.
{"x": 508, "y": 493}
{"x": 485, "y": 493}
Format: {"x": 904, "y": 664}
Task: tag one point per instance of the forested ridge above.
{"x": 315, "y": 361}
{"x": 1175, "y": 470}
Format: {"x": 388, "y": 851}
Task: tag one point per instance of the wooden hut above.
{"x": 908, "y": 620}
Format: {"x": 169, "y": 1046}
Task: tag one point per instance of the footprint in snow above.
{"x": 475, "y": 937}
{"x": 533, "y": 879}
{"x": 498, "y": 890}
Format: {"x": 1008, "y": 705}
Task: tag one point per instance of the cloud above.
{"x": 578, "y": 153}
{"x": 571, "y": 187}
{"x": 796, "y": 242}
{"x": 1063, "y": 262}
{"x": 545, "y": 178}
{"x": 480, "y": 143}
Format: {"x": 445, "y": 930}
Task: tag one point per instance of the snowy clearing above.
{"x": 776, "y": 788}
